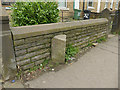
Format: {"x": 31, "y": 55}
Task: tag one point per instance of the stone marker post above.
{"x": 58, "y": 49}
{"x": 7, "y": 51}
{"x": 107, "y": 14}
{"x": 115, "y": 24}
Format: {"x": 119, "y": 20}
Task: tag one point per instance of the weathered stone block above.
{"x": 23, "y": 62}
{"x": 27, "y": 66}
{"x": 71, "y": 35}
{"x": 42, "y": 51}
{"x": 33, "y": 39}
{"x": 77, "y": 44}
{"x": 43, "y": 41}
{"x": 65, "y": 32}
{"x": 25, "y": 46}
{"x": 48, "y": 36}
{"x": 40, "y": 56}
{"x": 35, "y": 48}
{"x": 48, "y": 57}
{"x": 39, "y": 62}
{"x": 21, "y": 47}
{"x": 28, "y": 55}
{"x": 58, "y": 49}
{"x": 19, "y": 42}
{"x": 21, "y": 52}
{"x": 78, "y": 40}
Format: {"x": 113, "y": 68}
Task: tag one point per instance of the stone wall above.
{"x": 32, "y": 44}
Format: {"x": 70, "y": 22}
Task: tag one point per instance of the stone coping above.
{"x": 34, "y": 30}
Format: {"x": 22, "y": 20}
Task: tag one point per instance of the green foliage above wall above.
{"x": 31, "y": 13}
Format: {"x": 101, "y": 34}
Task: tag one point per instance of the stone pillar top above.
{"x": 61, "y": 37}
{"x": 3, "y": 15}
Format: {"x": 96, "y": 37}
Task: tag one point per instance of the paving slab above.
{"x": 98, "y": 68}
{"x": 17, "y": 84}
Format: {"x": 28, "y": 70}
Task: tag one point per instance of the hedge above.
{"x": 31, "y": 13}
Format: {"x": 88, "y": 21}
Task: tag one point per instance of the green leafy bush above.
{"x": 31, "y": 13}
{"x": 70, "y": 52}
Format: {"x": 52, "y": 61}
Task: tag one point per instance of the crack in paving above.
{"x": 108, "y": 50}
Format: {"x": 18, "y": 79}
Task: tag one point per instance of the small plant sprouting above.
{"x": 114, "y": 33}
{"x": 34, "y": 68}
{"x": 89, "y": 44}
{"x": 101, "y": 39}
{"x": 45, "y": 62}
{"x": 18, "y": 75}
{"x": 98, "y": 40}
{"x": 41, "y": 66}
{"x": 118, "y": 33}
{"x": 70, "y": 52}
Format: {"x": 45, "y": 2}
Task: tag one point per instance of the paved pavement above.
{"x": 17, "y": 84}
{"x": 98, "y": 68}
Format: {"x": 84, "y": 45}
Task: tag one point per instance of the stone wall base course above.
{"x": 40, "y": 56}
{"x": 28, "y": 66}
{"x": 20, "y": 63}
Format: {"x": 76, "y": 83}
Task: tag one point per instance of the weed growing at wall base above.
{"x": 41, "y": 66}
{"x": 19, "y": 73}
{"x": 101, "y": 39}
{"x": 70, "y": 52}
{"x": 89, "y": 44}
